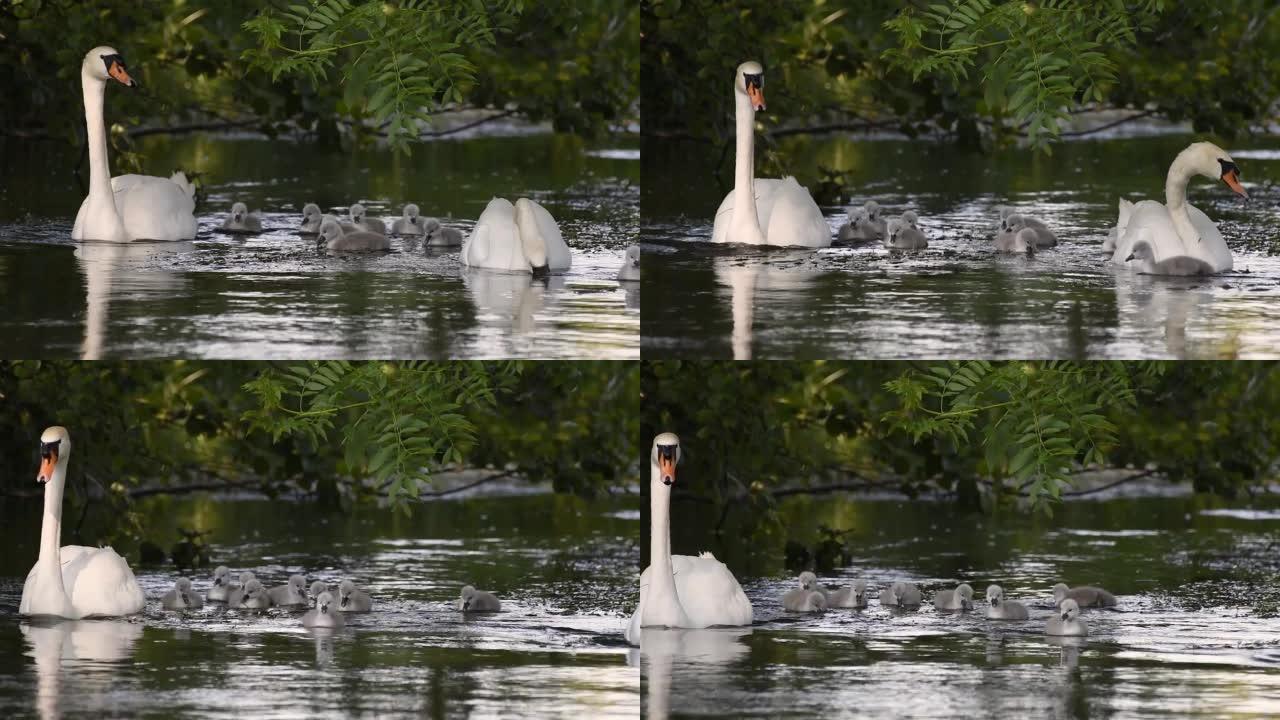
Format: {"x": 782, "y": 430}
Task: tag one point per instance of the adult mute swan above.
{"x": 1175, "y": 230}
{"x": 680, "y": 591}
{"x": 516, "y": 238}
{"x": 75, "y": 581}
{"x": 764, "y": 212}
{"x": 127, "y": 207}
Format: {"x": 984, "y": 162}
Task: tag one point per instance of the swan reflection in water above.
{"x": 699, "y": 654}
{"x": 111, "y": 267}
{"x": 1146, "y": 302}
{"x": 85, "y": 650}
{"x": 323, "y": 637}
{"x": 514, "y": 299}
{"x": 746, "y": 278}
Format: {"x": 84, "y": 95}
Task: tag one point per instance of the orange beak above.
{"x": 757, "y": 97}
{"x": 667, "y": 466}
{"x": 1232, "y": 179}
{"x": 47, "y": 463}
{"x": 117, "y": 71}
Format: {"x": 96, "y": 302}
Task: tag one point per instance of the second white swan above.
{"x": 516, "y": 238}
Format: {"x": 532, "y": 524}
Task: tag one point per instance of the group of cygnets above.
{"x": 1015, "y": 232}
{"x": 811, "y": 597}
{"x": 248, "y": 593}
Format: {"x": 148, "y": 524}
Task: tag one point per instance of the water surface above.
{"x": 561, "y": 566}
{"x": 276, "y": 295}
{"x": 958, "y": 298}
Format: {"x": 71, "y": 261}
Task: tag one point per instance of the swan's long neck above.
{"x": 1175, "y": 198}
{"x": 99, "y": 170}
{"x": 51, "y": 528}
{"x": 662, "y": 583}
{"x": 746, "y": 219}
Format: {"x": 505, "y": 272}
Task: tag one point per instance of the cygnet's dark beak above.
{"x": 1065, "y": 615}
{"x": 1131, "y": 256}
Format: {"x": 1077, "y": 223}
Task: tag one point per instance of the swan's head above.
{"x": 1212, "y": 161}
{"x": 665, "y": 457}
{"x": 633, "y": 256}
{"x": 818, "y": 600}
{"x": 183, "y": 585}
{"x": 995, "y": 595}
{"x": 103, "y": 63}
{"x": 749, "y": 81}
{"x": 310, "y": 213}
{"x": 357, "y": 213}
{"x": 1004, "y": 211}
{"x": 246, "y": 577}
{"x": 430, "y": 226}
{"x": 535, "y": 248}
{"x": 1141, "y": 250}
{"x": 254, "y": 589}
{"x": 410, "y": 212}
{"x": 898, "y": 590}
{"x": 55, "y": 448}
{"x": 1014, "y": 222}
{"x": 239, "y": 211}
{"x": 892, "y": 229}
{"x": 808, "y": 581}
{"x": 323, "y": 601}
{"x": 468, "y": 593}
{"x": 298, "y": 583}
{"x": 909, "y": 217}
{"x": 966, "y": 593}
{"x": 220, "y": 575}
{"x": 330, "y": 231}
{"x": 860, "y": 590}
{"x": 317, "y": 588}
{"x": 1059, "y": 593}
{"x": 1069, "y": 610}
{"x": 872, "y": 209}
{"x": 345, "y": 589}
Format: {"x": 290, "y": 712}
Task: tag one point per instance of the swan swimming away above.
{"x": 126, "y": 207}
{"x": 904, "y": 234}
{"x": 73, "y": 581}
{"x": 181, "y": 597}
{"x": 630, "y": 271}
{"x": 763, "y": 212}
{"x": 516, "y": 238}
{"x": 959, "y": 599}
{"x": 1066, "y": 621}
{"x": 1176, "y": 229}
{"x": 680, "y": 591}
{"x": 901, "y": 594}
{"x": 336, "y": 240}
{"x": 410, "y": 223}
{"x": 1000, "y": 609}
{"x": 362, "y": 221}
{"x": 221, "y": 585}
{"x": 293, "y": 592}
{"x": 473, "y": 600}
{"x": 866, "y": 225}
{"x": 1085, "y": 595}
{"x": 353, "y": 599}
{"x": 241, "y": 220}
{"x": 854, "y": 596}
{"x": 324, "y": 614}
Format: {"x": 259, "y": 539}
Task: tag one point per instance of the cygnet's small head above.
{"x": 965, "y": 592}
{"x": 995, "y": 595}
{"x": 430, "y": 226}
{"x": 357, "y": 213}
{"x": 1212, "y": 161}
{"x": 310, "y": 213}
{"x": 1141, "y": 250}
{"x": 246, "y": 577}
{"x": 1015, "y": 222}
{"x": 898, "y": 590}
{"x": 345, "y": 588}
{"x": 1059, "y": 592}
{"x": 633, "y": 256}
{"x": 239, "y": 211}
{"x": 818, "y": 600}
{"x": 467, "y": 595}
{"x": 749, "y": 81}
{"x": 1004, "y": 211}
{"x": 55, "y": 448}
{"x": 183, "y": 585}
{"x": 105, "y": 63}
{"x": 220, "y": 575}
{"x": 893, "y": 228}
{"x": 665, "y": 457}
{"x": 410, "y": 212}
{"x": 324, "y": 601}
{"x": 872, "y": 208}
{"x": 808, "y": 581}
{"x": 298, "y": 583}
{"x": 330, "y": 231}
{"x": 909, "y": 217}
{"x": 254, "y": 589}
{"x": 860, "y": 589}
{"x": 317, "y": 588}
{"x": 1069, "y": 610}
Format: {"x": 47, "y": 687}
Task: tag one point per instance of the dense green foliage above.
{"x": 333, "y": 69}
{"x": 338, "y": 432}
{"x": 986, "y": 432}
{"x": 975, "y": 70}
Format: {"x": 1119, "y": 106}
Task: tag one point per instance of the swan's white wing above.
{"x": 1149, "y": 220}
{"x": 99, "y": 582}
{"x": 494, "y": 243}
{"x": 154, "y": 208}
{"x": 558, "y": 255}
{"x": 765, "y": 191}
{"x": 1212, "y": 248}
{"x": 633, "y": 630}
{"x": 709, "y": 593}
{"x": 793, "y": 218}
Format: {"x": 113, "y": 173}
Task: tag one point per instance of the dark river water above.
{"x": 274, "y": 295}
{"x": 958, "y": 298}
{"x": 1196, "y": 634}
{"x": 564, "y": 569}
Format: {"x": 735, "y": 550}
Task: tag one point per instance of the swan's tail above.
{"x": 180, "y": 179}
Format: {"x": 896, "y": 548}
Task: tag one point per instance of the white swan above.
{"x": 128, "y": 207}
{"x": 1175, "y": 229}
{"x": 764, "y": 212}
{"x": 1125, "y": 210}
{"x": 516, "y": 238}
{"x": 681, "y": 590}
{"x": 74, "y": 581}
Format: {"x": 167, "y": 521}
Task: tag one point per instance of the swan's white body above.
{"x": 1173, "y": 237}
{"x": 516, "y": 238}
{"x": 73, "y": 581}
{"x": 128, "y": 207}
{"x": 681, "y": 590}
{"x": 764, "y": 212}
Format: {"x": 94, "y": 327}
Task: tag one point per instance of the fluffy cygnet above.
{"x": 630, "y": 271}
{"x": 317, "y": 587}
{"x": 411, "y": 223}
{"x": 181, "y": 597}
{"x": 324, "y": 615}
{"x": 473, "y": 600}
{"x": 255, "y": 597}
{"x": 352, "y": 598}
{"x": 222, "y": 584}
{"x": 1000, "y": 609}
{"x": 1084, "y": 596}
{"x": 293, "y": 592}
{"x": 235, "y": 596}
{"x": 336, "y": 240}
{"x": 866, "y": 225}
{"x": 241, "y": 220}
{"x": 904, "y": 234}
{"x": 959, "y": 599}
{"x": 1066, "y": 621}
{"x": 901, "y": 594}
{"x": 361, "y": 220}
{"x": 801, "y": 598}
{"x": 854, "y": 596}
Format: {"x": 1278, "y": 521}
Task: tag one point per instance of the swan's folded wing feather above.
{"x": 99, "y": 582}
{"x": 709, "y": 593}
{"x": 793, "y": 218}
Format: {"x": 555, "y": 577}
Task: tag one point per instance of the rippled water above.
{"x": 1196, "y": 632}
{"x": 276, "y": 295}
{"x": 561, "y": 566}
{"x": 958, "y": 298}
